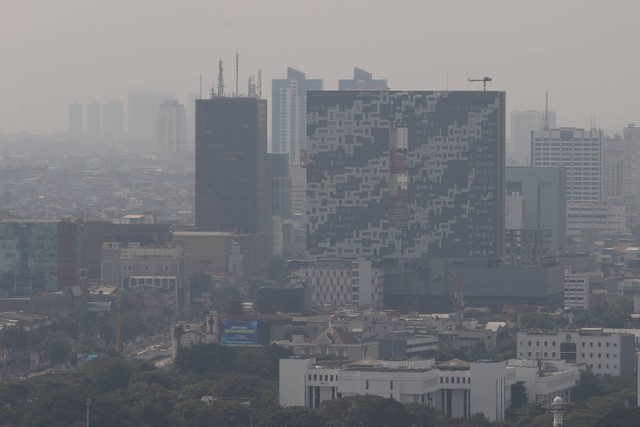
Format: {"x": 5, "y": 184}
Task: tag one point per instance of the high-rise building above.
{"x": 544, "y": 202}
{"x": 612, "y": 170}
{"x": 279, "y": 203}
{"x": 231, "y": 165}
{"x": 579, "y": 151}
{"x": 75, "y": 119}
{"x": 405, "y": 174}
{"x": 289, "y": 111}
{"x": 171, "y": 133}
{"x": 113, "y": 118}
{"x": 190, "y": 108}
{"x": 142, "y": 112}
{"x": 631, "y": 136}
{"x": 362, "y": 80}
{"x": 522, "y": 124}
{"x": 93, "y": 119}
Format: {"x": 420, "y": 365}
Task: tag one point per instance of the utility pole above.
{"x": 88, "y": 402}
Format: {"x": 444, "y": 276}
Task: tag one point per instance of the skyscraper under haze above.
{"x": 289, "y": 112}
{"x": 231, "y": 165}
{"x": 113, "y": 118}
{"x": 142, "y": 112}
{"x": 171, "y": 134}
{"x": 362, "y": 80}
{"x": 75, "y": 119}
{"x": 93, "y": 119}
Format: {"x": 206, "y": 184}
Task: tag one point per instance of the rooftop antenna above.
{"x": 251, "y": 87}
{"x": 259, "y": 84}
{"x": 546, "y": 110}
{"x": 220, "y": 80}
{"x": 484, "y": 81}
{"x": 237, "y": 67}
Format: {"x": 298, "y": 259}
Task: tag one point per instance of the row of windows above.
{"x": 455, "y": 380}
{"x": 317, "y": 377}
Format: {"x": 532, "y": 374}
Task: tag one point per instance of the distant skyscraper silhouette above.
{"x": 363, "y": 80}
{"x": 171, "y": 134}
{"x": 231, "y": 165}
{"x": 142, "y": 112}
{"x": 522, "y": 124}
{"x": 289, "y": 113}
{"x": 113, "y": 118}
{"x": 75, "y": 119}
{"x": 93, "y": 119}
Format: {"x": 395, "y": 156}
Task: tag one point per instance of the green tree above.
{"x": 56, "y": 348}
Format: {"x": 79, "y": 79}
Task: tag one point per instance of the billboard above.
{"x": 239, "y": 331}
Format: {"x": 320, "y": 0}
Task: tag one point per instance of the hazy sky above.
{"x": 585, "y": 52}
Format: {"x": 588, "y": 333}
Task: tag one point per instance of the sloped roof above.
{"x": 454, "y": 364}
{"x": 335, "y": 335}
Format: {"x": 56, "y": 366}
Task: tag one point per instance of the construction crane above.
{"x": 484, "y": 81}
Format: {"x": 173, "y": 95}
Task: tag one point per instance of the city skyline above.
{"x": 84, "y": 51}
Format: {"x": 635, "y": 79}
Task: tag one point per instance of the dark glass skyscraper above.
{"x": 231, "y": 165}
{"x": 396, "y": 174}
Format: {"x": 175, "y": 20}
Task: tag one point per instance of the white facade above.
{"x": 339, "y": 282}
{"x": 579, "y": 151}
{"x": 475, "y": 387}
{"x": 602, "y": 352}
{"x": 546, "y": 380}
{"x": 610, "y": 220}
{"x": 576, "y": 290}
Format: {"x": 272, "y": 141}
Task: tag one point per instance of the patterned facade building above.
{"x": 394, "y": 174}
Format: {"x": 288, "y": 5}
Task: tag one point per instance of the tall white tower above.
{"x": 557, "y": 409}
{"x": 171, "y": 133}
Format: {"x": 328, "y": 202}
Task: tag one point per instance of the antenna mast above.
{"x": 546, "y": 110}
{"x": 259, "y": 84}
{"x": 237, "y": 67}
{"x": 220, "y": 92}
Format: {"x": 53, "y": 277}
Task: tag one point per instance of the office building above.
{"x": 603, "y": 352}
{"x": 612, "y": 170}
{"x": 631, "y": 136}
{"x": 93, "y": 119}
{"x": 142, "y": 113}
{"x": 522, "y": 124}
{"x": 576, "y": 290}
{"x": 405, "y": 174}
{"x": 37, "y": 256}
{"x": 289, "y": 110}
{"x": 339, "y": 282}
{"x": 362, "y": 80}
{"x": 113, "y": 118}
{"x": 279, "y": 203}
{"x": 171, "y": 133}
{"x": 231, "y": 165}
{"x": 579, "y": 151}
{"x": 601, "y": 220}
{"x": 75, "y": 119}
{"x": 526, "y": 247}
{"x": 537, "y": 197}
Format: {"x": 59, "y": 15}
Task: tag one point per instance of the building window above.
{"x": 366, "y": 384}
{"x": 390, "y": 385}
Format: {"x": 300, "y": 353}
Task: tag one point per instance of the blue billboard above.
{"x": 239, "y": 331}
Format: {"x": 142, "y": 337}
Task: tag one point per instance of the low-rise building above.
{"x": 455, "y": 388}
{"x": 333, "y": 341}
{"x": 336, "y": 282}
{"x": 602, "y": 352}
{"x": 545, "y": 380}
